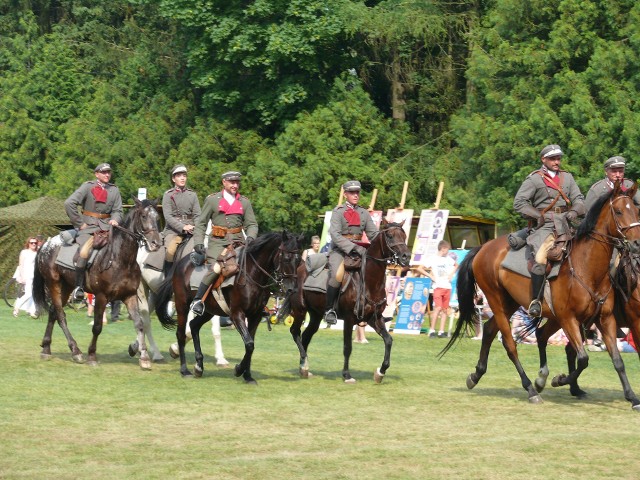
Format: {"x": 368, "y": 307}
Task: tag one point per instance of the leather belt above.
{"x": 183, "y": 217}
{"x": 357, "y": 238}
{"x": 96, "y": 215}
{"x": 221, "y": 232}
{"x": 559, "y": 209}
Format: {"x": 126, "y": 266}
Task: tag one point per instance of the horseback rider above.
{"x": 230, "y": 213}
{"x": 348, "y": 221}
{"x": 181, "y": 209}
{"x": 551, "y": 199}
{"x": 613, "y": 171}
{"x": 101, "y": 209}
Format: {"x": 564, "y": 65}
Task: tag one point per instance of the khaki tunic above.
{"x": 83, "y": 197}
{"x": 601, "y": 187}
{"x": 179, "y": 208}
{"x": 246, "y": 220}
{"x": 341, "y": 246}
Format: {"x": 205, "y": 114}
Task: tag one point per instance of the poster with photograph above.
{"x": 392, "y": 285}
{"x": 399, "y": 215}
{"x": 431, "y": 230}
{"x": 413, "y": 305}
{"x": 376, "y": 216}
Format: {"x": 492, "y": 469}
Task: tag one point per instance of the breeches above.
{"x": 336, "y": 269}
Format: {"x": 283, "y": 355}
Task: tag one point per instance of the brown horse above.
{"x": 579, "y": 294}
{"x": 627, "y": 314}
{"x": 362, "y": 300}
{"x": 114, "y": 275}
{"x": 270, "y": 260}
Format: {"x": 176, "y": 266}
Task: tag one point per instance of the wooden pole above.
{"x": 373, "y": 199}
{"x": 341, "y": 195}
{"x": 405, "y": 188}
{"x": 439, "y": 197}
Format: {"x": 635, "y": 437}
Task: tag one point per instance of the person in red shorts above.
{"x": 440, "y": 269}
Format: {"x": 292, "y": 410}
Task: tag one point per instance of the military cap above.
{"x": 231, "y": 175}
{"x": 551, "y": 151}
{"x": 178, "y": 169}
{"x": 615, "y": 162}
{"x": 351, "y": 186}
{"x": 103, "y": 167}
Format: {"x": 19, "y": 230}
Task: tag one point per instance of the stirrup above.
{"x": 78, "y": 294}
{"x": 330, "y": 317}
{"x": 197, "y": 307}
{"x": 535, "y": 308}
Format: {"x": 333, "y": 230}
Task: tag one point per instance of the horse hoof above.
{"x": 350, "y": 381}
{"x": 79, "y": 358}
{"x": 539, "y": 384}
{"x": 636, "y": 408}
{"x": 557, "y": 379}
{"x": 197, "y": 371}
{"x": 470, "y": 382}
{"x": 173, "y": 351}
{"x": 304, "y": 373}
{"x": 159, "y": 360}
{"x": 223, "y": 364}
{"x": 145, "y": 364}
{"x": 579, "y": 393}
{"x": 377, "y": 376}
{"x": 251, "y": 381}
{"x": 186, "y": 374}
{"x": 133, "y": 348}
{"x": 535, "y": 399}
{"x": 45, "y": 356}
{"x": 92, "y": 363}
{"x": 237, "y": 372}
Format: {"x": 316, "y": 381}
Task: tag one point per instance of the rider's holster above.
{"x": 228, "y": 261}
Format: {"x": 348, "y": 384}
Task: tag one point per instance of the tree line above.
{"x": 301, "y": 95}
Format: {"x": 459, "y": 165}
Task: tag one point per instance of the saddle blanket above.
{"x": 66, "y": 254}
{"x": 318, "y": 275}
{"x": 199, "y": 273}
{"x": 516, "y": 262}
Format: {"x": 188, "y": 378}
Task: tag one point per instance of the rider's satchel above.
{"x": 228, "y": 261}
{"x": 556, "y": 252}
{"x": 352, "y": 262}
{"x": 100, "y": 239}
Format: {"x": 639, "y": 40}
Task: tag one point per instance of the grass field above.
{"x": 114, "y": 421}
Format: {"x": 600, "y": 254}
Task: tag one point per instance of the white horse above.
{"x": 149, "y": 284}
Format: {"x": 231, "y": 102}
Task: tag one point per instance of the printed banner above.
{"x": 376, "y": 216}
{"x": 397, "y": 216}
{"x": 392, "y": 285}
{"x": 431, "y": 230}
{"x": 412, "y": 308}
{"x": 325, "y": 238}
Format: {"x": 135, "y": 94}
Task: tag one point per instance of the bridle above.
{"x": 279, "y": 274}
{"x": 387, "y": 246}
{"x": 620, "y": 242}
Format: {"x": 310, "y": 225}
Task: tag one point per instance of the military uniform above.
{"x": 101, "y": 203}
{"x": 616, "y": 166}
{"x": 345, "y": 229}
{"x": 228, "y": 220}
{"x": 180, "y": 207}
{"x": 227, "y": 223}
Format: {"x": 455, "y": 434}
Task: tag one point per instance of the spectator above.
{"x": 24, "y": 275}
{"x": 315, "y": 248}
{"x": 440, "y": 269}
{"x": 627, "y": 344}
{"x": 519, "y": 320}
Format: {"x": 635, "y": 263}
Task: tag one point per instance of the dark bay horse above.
{"x": 581, "y": 292}
{"x": 362, "y": 301}
{"x": 627, "y": 314}
{"x": 114, "y": 275}
{"x": 270, "y": 260}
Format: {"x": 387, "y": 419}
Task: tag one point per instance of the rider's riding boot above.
{"x": 197, "y": 306}
{"x": 537, "y": 290}
{"x": 330, "y": 314}
{"x": 78, "y": 292}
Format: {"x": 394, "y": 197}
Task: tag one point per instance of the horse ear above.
{"x": 632, "y": 190}
{"x": 136, "y": 200}
{"x": 384, "y": 223}
{"x": 616, "y": 189}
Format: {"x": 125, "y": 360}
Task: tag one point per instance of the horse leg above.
{"x": 577, "y": 358}
{"x": 542, "y": 339}
{"x": 217, "y": 338}
{"x": 574, "y": 388}
{"x": 381, "y": 330}
{"x": 96, "y": 329}
{"x": 174, "y": 349}
{"x": 489, "y": 332}
{"x": 145, "y": 306}
{"x": 138, "y": 323}
{"x": 56, "y": 313}
{"x": 608, "y": 329}
{"x": 347, "y": 339}
{"x": 182, "y": 308}
{"x": 244, "y": 367}
{"x": 195, "y": 325}
{"x": 303, "y": 340}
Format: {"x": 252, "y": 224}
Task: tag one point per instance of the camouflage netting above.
{"x": 43, "y": 216}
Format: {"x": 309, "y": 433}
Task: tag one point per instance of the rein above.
{"x": 277, "y": 278}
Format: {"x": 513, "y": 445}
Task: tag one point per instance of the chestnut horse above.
{"x": 113, "y": 275}
{"x": 362, "y": 301}
{"x": 270, "y": 260}
{"x": 579, "y": 294}
{"x": 627, "y": 314}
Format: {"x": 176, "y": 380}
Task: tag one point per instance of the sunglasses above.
{"x": 33, "y": 243}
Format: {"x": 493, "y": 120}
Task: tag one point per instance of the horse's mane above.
{"x": 262, "y": 240}
{"x": 591, "y": 219}
{"x": 126, "y": 222}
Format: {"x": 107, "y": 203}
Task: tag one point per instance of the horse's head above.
{"x": 287, "y": 260}
{"x": 615, "y": 218}
{"x": 144, "y": 223}
{"x": 392, "y": 241}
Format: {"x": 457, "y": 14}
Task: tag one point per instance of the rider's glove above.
{"x": 360, "y": 250}
{"x": 571, "y": 216}
{"x": 248, "y": 240}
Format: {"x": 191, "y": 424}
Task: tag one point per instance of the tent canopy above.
{"x": 43, "y": 210}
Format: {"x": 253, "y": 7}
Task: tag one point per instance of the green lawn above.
{"x": 63, "y": 420}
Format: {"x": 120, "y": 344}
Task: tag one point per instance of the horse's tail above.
{"x": 466, "y": 289}
{"x": 162, "y": 298}
{"x": 39, "y": 293}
